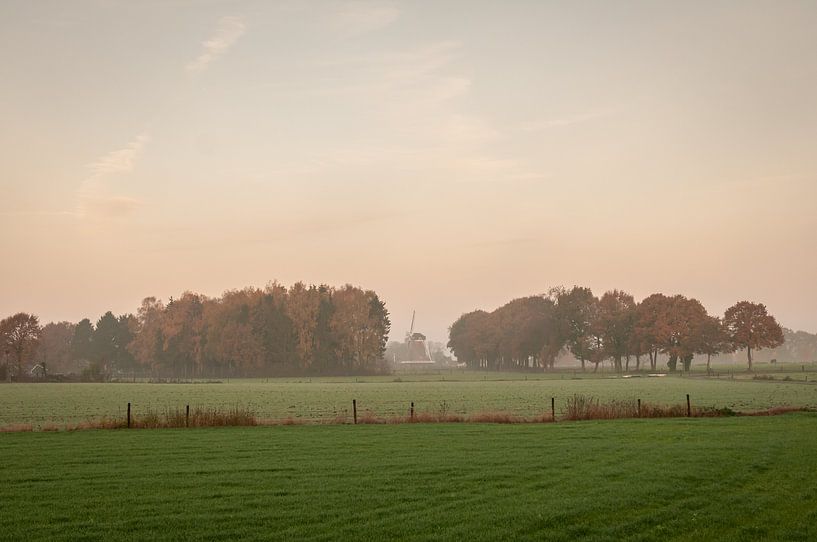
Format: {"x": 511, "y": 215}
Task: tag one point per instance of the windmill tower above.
{"x": 416, "y": 346}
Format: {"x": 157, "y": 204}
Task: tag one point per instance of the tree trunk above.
{"x": 749, "y": 355}
{"x": 19, "y": 355}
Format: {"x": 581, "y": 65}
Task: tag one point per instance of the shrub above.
{"x": 199, "y": 417}
{"x": 582, "y": 407}
{"x": 16, "y": 428}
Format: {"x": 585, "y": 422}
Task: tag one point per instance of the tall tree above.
{"x": 359, "y": 325}
{"x": 20, "y": 334}
{"x": 127, "y": 327}
{"x": 689, "y": 317}
{"x": 274, "y": 328}
{"x": 109, "y": 344}
{"x": 54, "y": 352}
{"x": 183, "y": 334}
{"x": 81, "y": 350}
{"x": 303, "y": 308}
{"x": 616, "y": 319}
{"x": 473, "y": 339}
{"x": 103, "y": 345}
{"x": 713, "y": 339}
{"x": 147, "y": 345}
{"x": 750, "y": 326}
{"x": 651, "y": 329}
{"x": 577, "y": 310}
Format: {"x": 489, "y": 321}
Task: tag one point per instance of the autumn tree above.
{"x": 528, "y": 336}
{"x": 20, "y": 335}
{"x": 231, "y": 341}
{"x": 750, "y": 326}
{"x": 273, "y": 327}
{"x": 680, "y": 331}
{"x": 473, "y": 340}
{"x": 713, "y": 339}
{"x": 577, "y": 310}
{"x": 147, "y": 344}
{"x": 183, "y": 334}
{"x": 651, "y": 326}
{"x": 303, "y": 306}
{"x": 326, "y": 355}
{"x": 616, "y": 319}
{"x": 359, "y": 326}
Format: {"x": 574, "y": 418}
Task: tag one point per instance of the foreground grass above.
{"x": 680, "y": 479}
{"x": 325, "y": 400}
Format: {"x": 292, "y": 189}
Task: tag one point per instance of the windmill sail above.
{"x": 416, "y": 347}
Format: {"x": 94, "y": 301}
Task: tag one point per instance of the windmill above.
{"x": 416, "y": 346}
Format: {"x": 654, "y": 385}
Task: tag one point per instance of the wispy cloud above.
{"x": 227, "y": 32}
{"x": 354, "y": 18}
{"x": 120, "y": 161}
{"x": 416, "y": 93}
{"x": 539, "y": 125}
{"x": 93, "y": 196}
{"x": 405, "y": 80}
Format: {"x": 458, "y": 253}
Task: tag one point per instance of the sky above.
{"x": 450, "y": 155}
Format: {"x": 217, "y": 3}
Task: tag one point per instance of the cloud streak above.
{"x": 538, "y": 126}
{"x": 93, "y": 197}
{"x": 228, "y": 31}
{"x": 355, "y": 18}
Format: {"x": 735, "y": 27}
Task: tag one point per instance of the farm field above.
{"x": 325, "y": 399}
{"x": 672, "y": 479}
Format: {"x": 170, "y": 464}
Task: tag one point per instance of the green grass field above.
{"x": 324, "y": 399}
{"x": 680, "y": 479}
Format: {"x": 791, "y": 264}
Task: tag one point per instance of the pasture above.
{"x": 673, "y": 479}
{"x": 327, "y": 399}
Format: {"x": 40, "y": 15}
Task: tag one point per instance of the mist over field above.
{"x": 395, "y": 270}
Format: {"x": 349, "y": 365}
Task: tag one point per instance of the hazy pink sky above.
{"x": 449, "y": 155}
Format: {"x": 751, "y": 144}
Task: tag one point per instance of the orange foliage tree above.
{"x": 750, "y": 326}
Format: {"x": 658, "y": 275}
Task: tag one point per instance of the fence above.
{"x": 578, "y": 407}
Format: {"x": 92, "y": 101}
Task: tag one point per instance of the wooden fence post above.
{"x": 187, "y": 416}
{"x": 128, "y": 415}
{"x": 354, "y": 410}
{"x": 412, "y": 410}
{"x": 553, "y": 408}
{"x": 639, "y": 408}
{"x": 689, "y": 408}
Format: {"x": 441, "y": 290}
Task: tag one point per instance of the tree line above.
{"x": 531, "y": 332}
{"x": 247, "y": 332}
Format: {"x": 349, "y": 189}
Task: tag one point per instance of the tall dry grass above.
{"x": 16, "y": 428}
{"x": 583, "y": 407}
{"x": 199, "y": 417}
